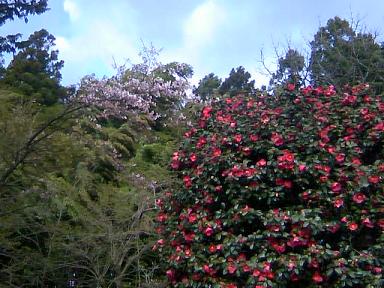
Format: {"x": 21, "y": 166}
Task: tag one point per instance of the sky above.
{"x": 211, "y": 35}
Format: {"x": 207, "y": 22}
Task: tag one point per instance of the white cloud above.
{"x": 71, "y": 7}
{"x": 97, "y": 48}
{"x": 201, "y": 26}
{"x": 97, "y": 42}
{"x": 62, "y": 44}
{"x": 200, "y": 29}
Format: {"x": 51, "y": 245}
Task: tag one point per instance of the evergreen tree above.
{"x": 207, "y": 87}
{"x": 341, "y": 55}
{"x": 238, "y": 81}
{"x": 290, "y": 68}
{"x": 35, "y": 70}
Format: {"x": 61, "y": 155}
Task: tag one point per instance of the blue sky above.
{"x": 211, "y": 35}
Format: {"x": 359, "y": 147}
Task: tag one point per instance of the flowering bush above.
{"x": 138, "y": 89}
{"x": 279, "y": 191}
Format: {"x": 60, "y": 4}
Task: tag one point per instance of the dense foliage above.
{"x": 279, "y": 190}
{"x": 341, "y": 54}
{"x": 274, "y": 190}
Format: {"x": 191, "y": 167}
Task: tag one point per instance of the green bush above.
{"x": 279, "y": 190}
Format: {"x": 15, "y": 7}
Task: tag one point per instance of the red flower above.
{"x": 246, "y": 268}
{"x": 359, "y": 198}
{"x": 159, "y": 202}
{"x": 212, "y": 248}
{"x": 287, "y": 184}
{"x": 170, "y": 274}
{"x": 175, "y": 164}
{"x": 340, "y": 157}
{"x": 256, "y": 273}
{"x": 374, "y": 179}
{"x": 187, "y": 181}
{"x": 336, "y": 187}
{"x": 302, "y": 167}
{"x": 231, "y": 285}
{"x": 231, "y": 268}
{"x": 187, "y": 252}
{"x": 291, "y": 86}
{"x": 161, "y": 217}
{"x": 377, "y": 270}
{"x": 208, "y": 231}
{"x": 261, "y": 163}
{"x": 216, "y": 152}
{"x": 254, "y": 138}
{"x": 192, "y": 218}
{"x": 189, "y": 237}
{"x": 247, "y": 151}
{"x": 353, "y": 226}
{"x": 202, "y": 141}
{"x": 207, "y": 112}
{"x": 367, "y": 223}
{"x": 277, "y": 139}
{"x": 338, "y": 203}
{"x": 238, "y": 138}
{"x": 356, "y": 161}
{"x": 317, "y": 278}
{"x": 193, "y": 157}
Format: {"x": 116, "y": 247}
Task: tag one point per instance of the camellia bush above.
{"x": 281, "y": 190}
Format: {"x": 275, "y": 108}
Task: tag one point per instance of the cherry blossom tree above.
{"x": 138, "y": 89}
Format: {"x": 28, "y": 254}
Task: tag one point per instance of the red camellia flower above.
{"x": 208, "y": 231}
{"x": 193, "y": 157}
{"x": 367, "y": 223}
{"x": 192, "y": 218}
{"x": 246, "y": 268}
{"x": 287, "y": 184}
{"x": 189, "y": 237}
{"x": 374, "y": 179}
{"x": 238, "y": 138}
{"x": 302, "y": 167}
{"x": 171, "y": 274}
{"x": 253, "y": 137}
{"x": 261, "y": 163}
{"x": 207, "y": 112}
{"x": 161, "y": 217}
{"x": 338, "y": 203}
{"x": 317, "y": 278}
{"x": 231, "y": 268}
{"x": 277, "y": 139}
{"x": 353, "y": 226}
{"x": 216, "y": 152}
{"x": 246, "y": 151}
{"x": 209, "y": 270}
{"x": 175, "y": 164}
{"x": 212, "y": 248}
{"x": 201, "y": 142}
{"x": 336, "y": 187}
{"x": 359, "y": 198}
{"x": 187, "y": 181}
{"x": 291, "y": 87}
{"x": 340, "y": 157}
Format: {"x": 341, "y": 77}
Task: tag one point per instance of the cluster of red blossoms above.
{"x": 279, "y": 190}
